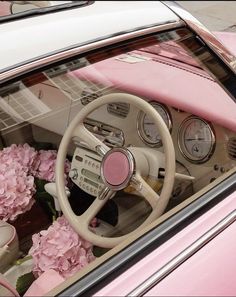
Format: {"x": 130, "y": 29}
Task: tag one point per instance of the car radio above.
{"x": 85, "y": 171}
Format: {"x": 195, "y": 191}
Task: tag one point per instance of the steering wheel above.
{"x": 119, "y": 168}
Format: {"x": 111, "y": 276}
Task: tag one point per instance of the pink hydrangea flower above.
{"x": 19, "y": 164}
{"x": 23, "y": 154}
{"x": 46, "y": 164}
{"x": 60, "y": 248}
{"x": 16, "y": 189}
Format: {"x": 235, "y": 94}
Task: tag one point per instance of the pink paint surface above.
{"x": 210, "y": 272}
{"x": 116, "y": 168}
{"x": 174, "y": 84}
{"x": 203, "y": 271}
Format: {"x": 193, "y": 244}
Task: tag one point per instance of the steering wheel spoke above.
{"x": 97, "y": 204}
{"x": 142, "y": 187}
{"x": 93, "y": 143}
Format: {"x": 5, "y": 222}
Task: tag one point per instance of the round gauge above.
{"x": 148, "y": 130}
{"x": 196, "y": 140}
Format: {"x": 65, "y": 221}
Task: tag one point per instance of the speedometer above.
{"x": 196, "y": 140}
{"x": 148, "y": 130}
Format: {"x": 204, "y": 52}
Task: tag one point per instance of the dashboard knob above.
{"x": 73, "y": 174}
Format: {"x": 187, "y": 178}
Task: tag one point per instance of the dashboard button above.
{"x": 73, "y": 174}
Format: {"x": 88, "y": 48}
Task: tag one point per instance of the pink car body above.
{"x": 207, "y": 271}
{"x": 198, "y": 259}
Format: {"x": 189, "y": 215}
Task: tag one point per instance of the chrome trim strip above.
{"x": 218, "y": 48}
{"x": 183, "y": 256}
{"x": 81, "y": 48}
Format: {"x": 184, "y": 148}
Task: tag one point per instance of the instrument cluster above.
{"x": 196, "y": 138}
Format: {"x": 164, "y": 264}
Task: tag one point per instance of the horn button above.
{"x": 117, "y": 168}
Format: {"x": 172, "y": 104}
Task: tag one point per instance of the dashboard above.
{"x": 201, "y": 147}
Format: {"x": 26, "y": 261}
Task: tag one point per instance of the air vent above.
{"x": 88, "y": 96}
{"x": 232, "y": 148}
{"x": 118, "y": 109}
{"x": 111, "y": 136}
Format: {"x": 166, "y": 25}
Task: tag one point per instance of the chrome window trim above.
{"x": 184, "y": 255}
{"x": 66, "y": 53}
{"x": 209, "y": 38}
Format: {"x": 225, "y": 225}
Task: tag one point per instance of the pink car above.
{"x": 117, "y": 151}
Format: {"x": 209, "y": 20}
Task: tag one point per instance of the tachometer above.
{"x": 196, "y": 140}
{"x": 148, "y": 130}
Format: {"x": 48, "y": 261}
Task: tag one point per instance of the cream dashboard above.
{"x": 203, "y": 149}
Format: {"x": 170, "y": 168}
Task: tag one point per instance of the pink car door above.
{"x": 197, "y": 261}
{"x": 209, "y": 272}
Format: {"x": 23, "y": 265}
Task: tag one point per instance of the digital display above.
{"x": 91, "y": 175}
{"x": 86, "y": 180}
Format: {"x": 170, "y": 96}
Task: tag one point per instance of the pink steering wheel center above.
{"x": 116, "y": 168}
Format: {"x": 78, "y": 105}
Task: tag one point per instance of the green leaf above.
{"x": 24, "y": 282}
{"x": 40, "y": 184}
{"x": 45, "y": 199}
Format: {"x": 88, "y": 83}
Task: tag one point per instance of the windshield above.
{"x": 95, "y": 149}
{"x": 16, "y": 9}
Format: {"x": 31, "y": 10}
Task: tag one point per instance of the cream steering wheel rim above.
{"x": 81, "y": 223}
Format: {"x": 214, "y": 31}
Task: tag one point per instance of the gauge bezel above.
{"x": 140, "y": 124}
{"x": 181, "y": 144}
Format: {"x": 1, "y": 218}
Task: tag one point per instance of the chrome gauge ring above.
{"x": 196, "y": 140}
{"x": 147, "y": 129}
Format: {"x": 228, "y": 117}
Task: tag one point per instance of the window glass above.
{"x": 174, "y": 73}
{"x": 11, "y": 9}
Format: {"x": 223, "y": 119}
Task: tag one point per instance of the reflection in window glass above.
{"x": 11, "y": 8}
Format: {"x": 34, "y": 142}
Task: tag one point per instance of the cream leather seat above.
{"x": 6, "y": 289}
{"x": 9, "y": 245}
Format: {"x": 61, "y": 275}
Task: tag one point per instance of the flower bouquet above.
{"x": 23, "y": 174}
